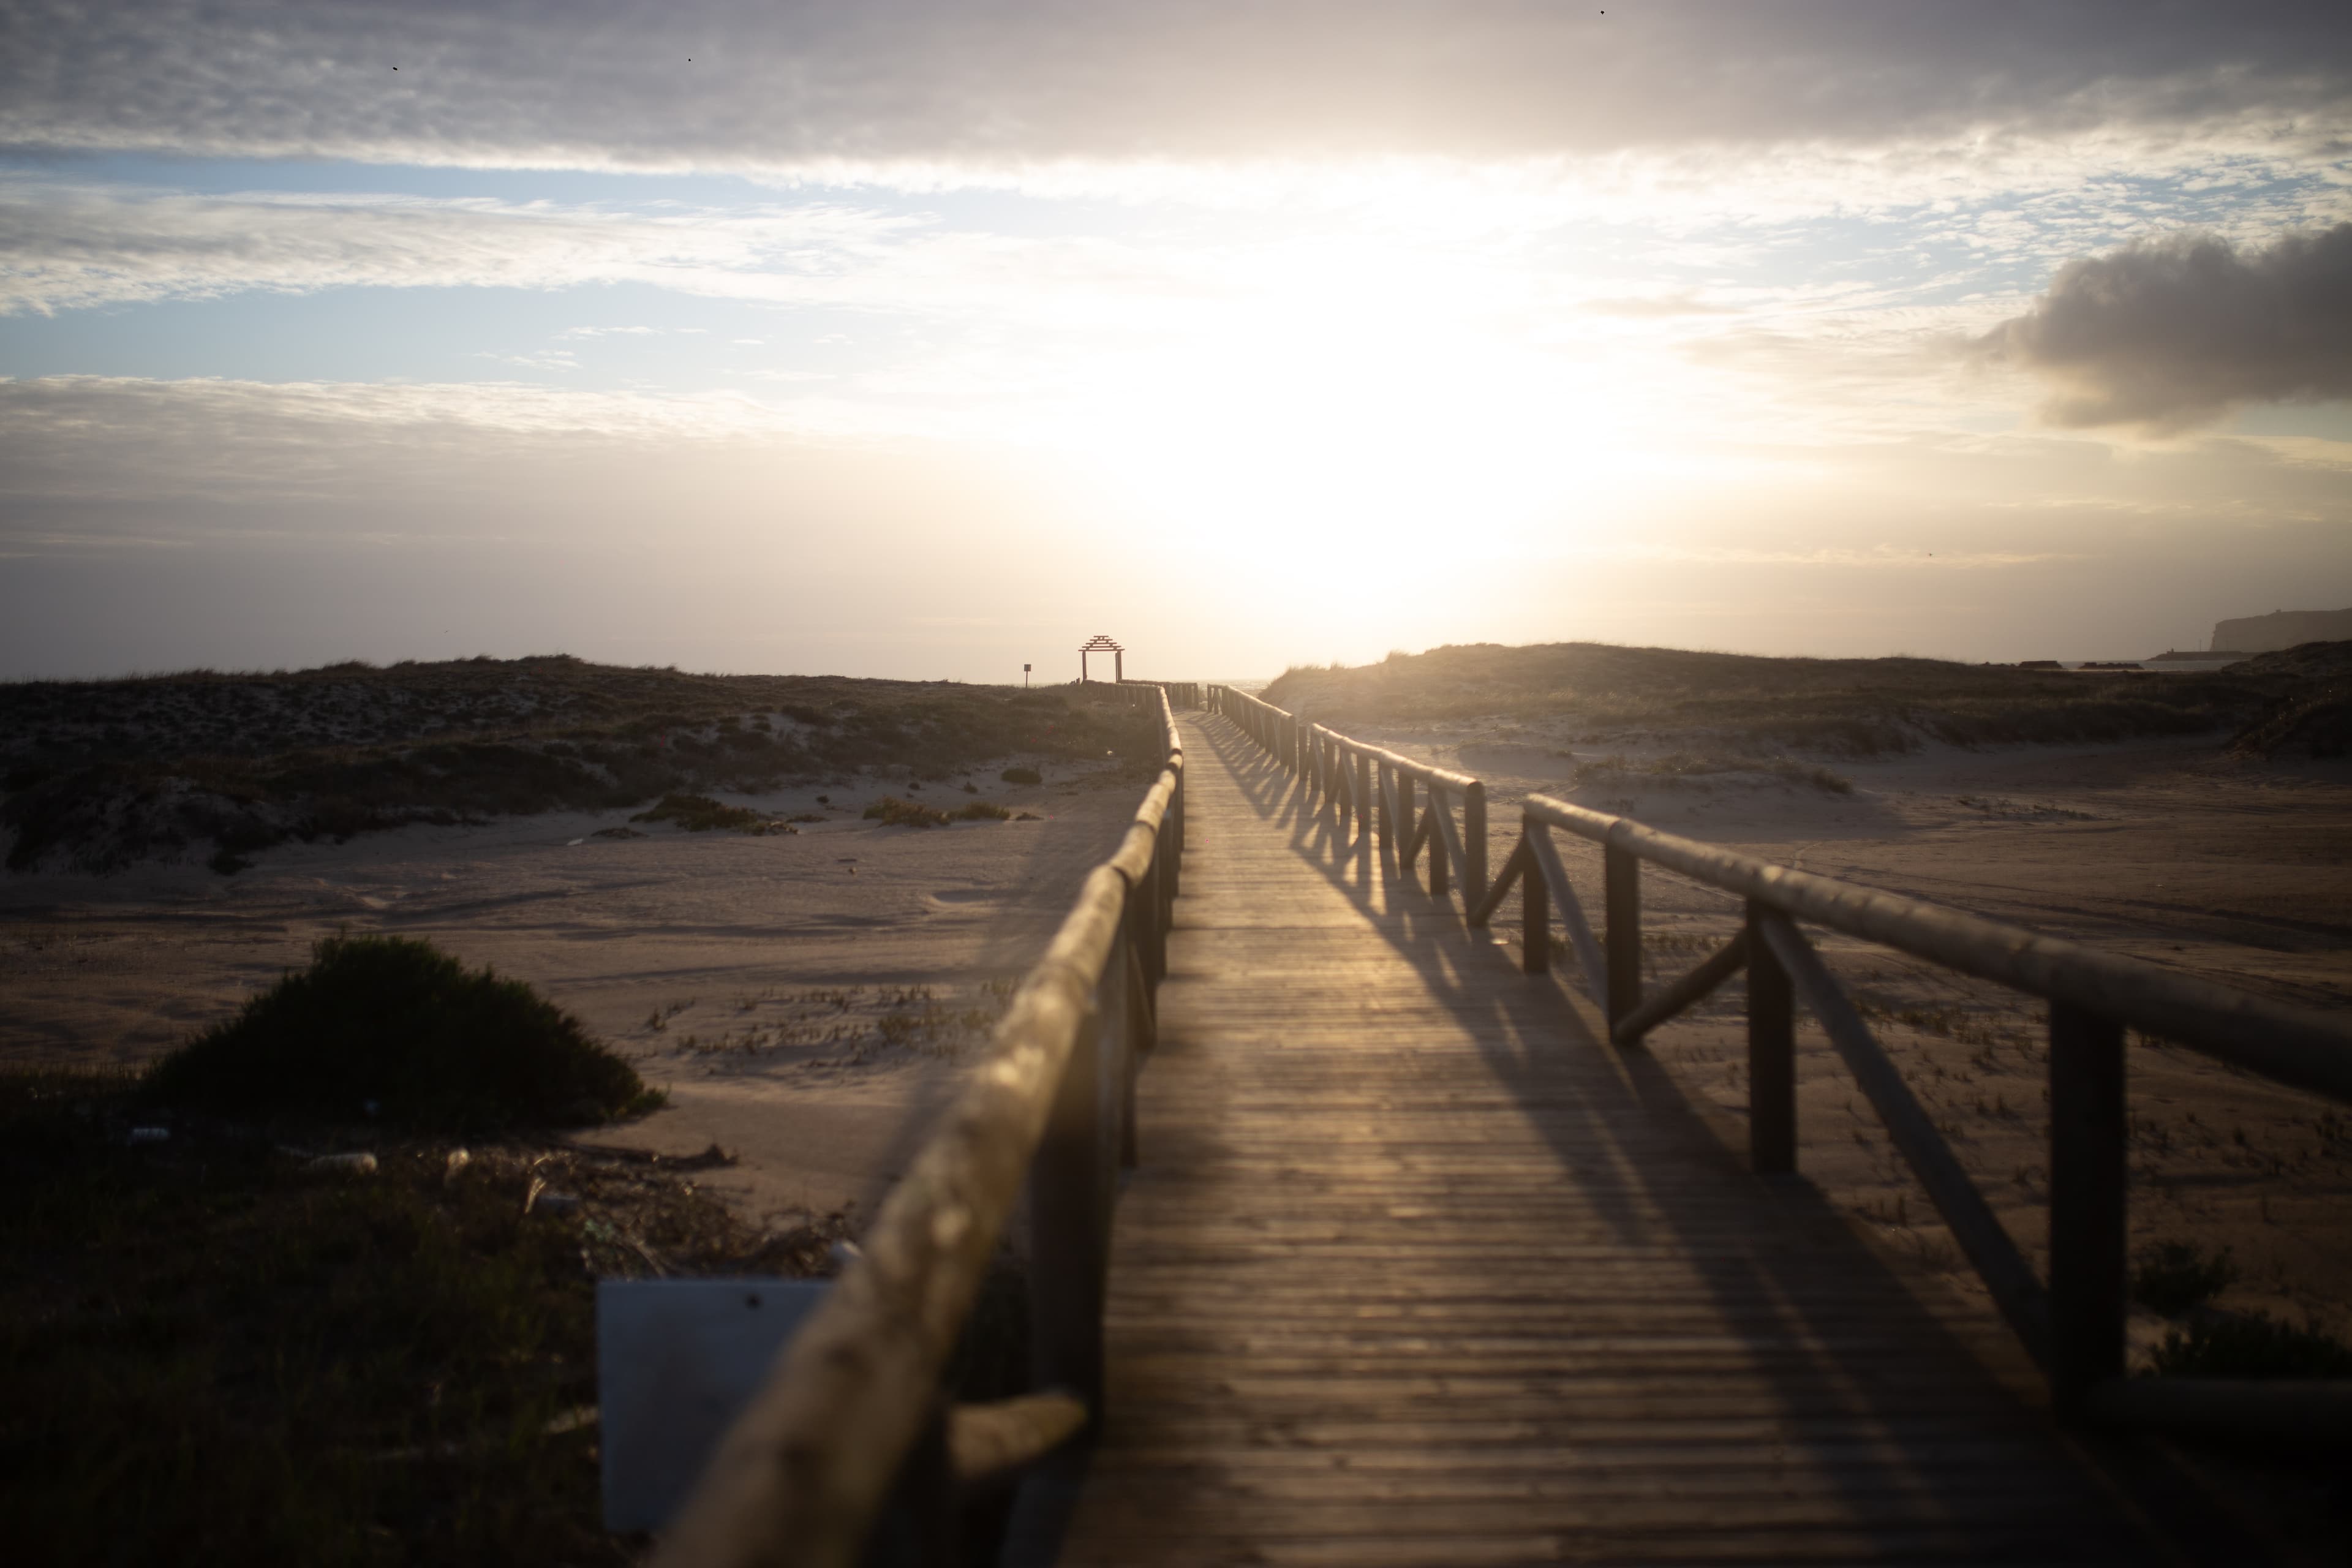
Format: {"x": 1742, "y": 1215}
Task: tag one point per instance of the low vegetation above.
{"x": 99, "y": 775}
{"x": 892, "y": 812}
{"x": 2313, "y": 718}
{"x": 700, "y": 814}
{"x": 2173, "y": 1277}
{"x": 2250, "y": 1344}
{"x": 224, "y": 1349}
{"x": 392, "y": 1029}
{"x": 1685, "y": 770}
{"x": 1839, "y": 708}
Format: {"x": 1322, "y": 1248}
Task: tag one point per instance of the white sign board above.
{"x": 675, "y": 1361}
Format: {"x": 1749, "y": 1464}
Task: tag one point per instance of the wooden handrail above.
{"x": 1374, "y": 796}
{"x": 851, "y": 1423}
{"x": 2294, "y": 1046}
{"x": 2073, "y": 1327}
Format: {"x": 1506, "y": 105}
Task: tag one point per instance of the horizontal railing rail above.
{"x": 2073, "y": 1326}
{"x": 851, "y": 1445}
{"x": 1181, "y": 693}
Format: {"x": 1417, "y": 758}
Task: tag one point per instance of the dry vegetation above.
{"x": 848, "y": 1025}
{"x": 99, "y": 774}
{"x": 228, "y": 1345}
{"x": 2299, "y": 700}
{"x": 261, "y": 1304}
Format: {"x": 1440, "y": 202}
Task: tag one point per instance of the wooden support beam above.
{"x": 1771, "y": 1054}
{"x": 1537, "y": 836}
{"x": 1514, "y": 864}
{"x": 989, "y": 1442}
{"x": 1622, "y": 905}
{"x": 1535, "y": 911}
{"x": 1685, "y": 993}
{"x": 2003, "y": 1268}
{"x": 2087, "y": 1176}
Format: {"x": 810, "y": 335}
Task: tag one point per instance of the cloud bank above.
{"x": 755, "y": 84}
{"x": 2174, "y": 333}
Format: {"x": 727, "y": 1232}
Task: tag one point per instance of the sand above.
{"x": 773, "y": 975}
{"x": 808, "y": 1000}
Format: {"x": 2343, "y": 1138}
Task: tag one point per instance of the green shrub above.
{"x": 699, "y": 814}
{"x": 892, "y": 812}
{"x": 394, "y": 1024}
{"x": 982, "y": 810}
{"x": 1022, "y": 776}
{"x": 2173, "y": 1275}
{"x": 2256, "y": 1346}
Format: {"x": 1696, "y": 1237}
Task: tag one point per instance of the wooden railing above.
{"x": 851, "y": 1444}
{"x": 1180, "y": 694}
{"x": 2073, "y": 1327}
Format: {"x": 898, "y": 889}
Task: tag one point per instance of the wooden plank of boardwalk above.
{"x": 1414, "y": 1271}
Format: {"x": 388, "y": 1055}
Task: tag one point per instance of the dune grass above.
{"x": 892, "y": 812}
{"x": 2172, "y": 1277}
{"x": 1835, "y": 706}
{"x": 2252, "y": 1345}
{"x": 98, "y": 776}
{"x": 394, "y": 1029}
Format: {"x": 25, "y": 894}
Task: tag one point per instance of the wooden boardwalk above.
{"x": 1416, "y": 1271}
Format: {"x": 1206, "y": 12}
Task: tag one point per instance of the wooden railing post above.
{"x": 1771, "y": 1051}
{"x": 1070, "y": 1228}
{"x": 2087, "y": 1186}
{"x": 1535, "y": 908}
{"x": 1474, "y": 845}
{"x": 1408, "y": 818}
{"x": 1440, "y": 869}
{"x": 1176, "y": 826}
{"x": 1622, "y": 898}
{"x": 1364, "y": 812}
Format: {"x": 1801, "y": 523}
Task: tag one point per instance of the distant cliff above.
{"x": 2282, "y": 628}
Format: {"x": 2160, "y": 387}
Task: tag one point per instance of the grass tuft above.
{"x": 2253, "y": 1345}
{"x": 700, "y": 814}
{"x": 1022, "y": 776}
{"x": 892, "y": 812}
{"x": 395, "y": 1023}
{"x": 2172, "y": 1277}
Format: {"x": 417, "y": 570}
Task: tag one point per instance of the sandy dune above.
{"x": 726, "y": 939}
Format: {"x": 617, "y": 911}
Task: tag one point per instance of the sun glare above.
{"x": 1349, "y": 397}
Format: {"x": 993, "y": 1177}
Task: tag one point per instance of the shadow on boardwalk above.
{"x": 1417, "y": 1270}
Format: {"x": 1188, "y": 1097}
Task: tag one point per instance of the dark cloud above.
{"x": 776, "y": 83}
{"x": 2173, "y": 332}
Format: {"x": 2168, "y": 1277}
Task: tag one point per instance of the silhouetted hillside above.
{"x": 1842, "y": 706}
{"x": 103, "y": 773}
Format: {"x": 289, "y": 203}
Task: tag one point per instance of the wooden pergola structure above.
{"x": 1101, "y": 644}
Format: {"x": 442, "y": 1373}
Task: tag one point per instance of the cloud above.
{"x": 66, "y": 247}
{"x": 2174, "y": 333}
{"x": 958, "y": 84}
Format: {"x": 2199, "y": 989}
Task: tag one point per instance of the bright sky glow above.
{"x": 1242, "y": 374}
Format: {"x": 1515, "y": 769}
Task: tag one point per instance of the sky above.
{"x": 928, "y": 338}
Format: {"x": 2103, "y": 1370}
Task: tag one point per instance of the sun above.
{"x": 1363, "y": 402}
